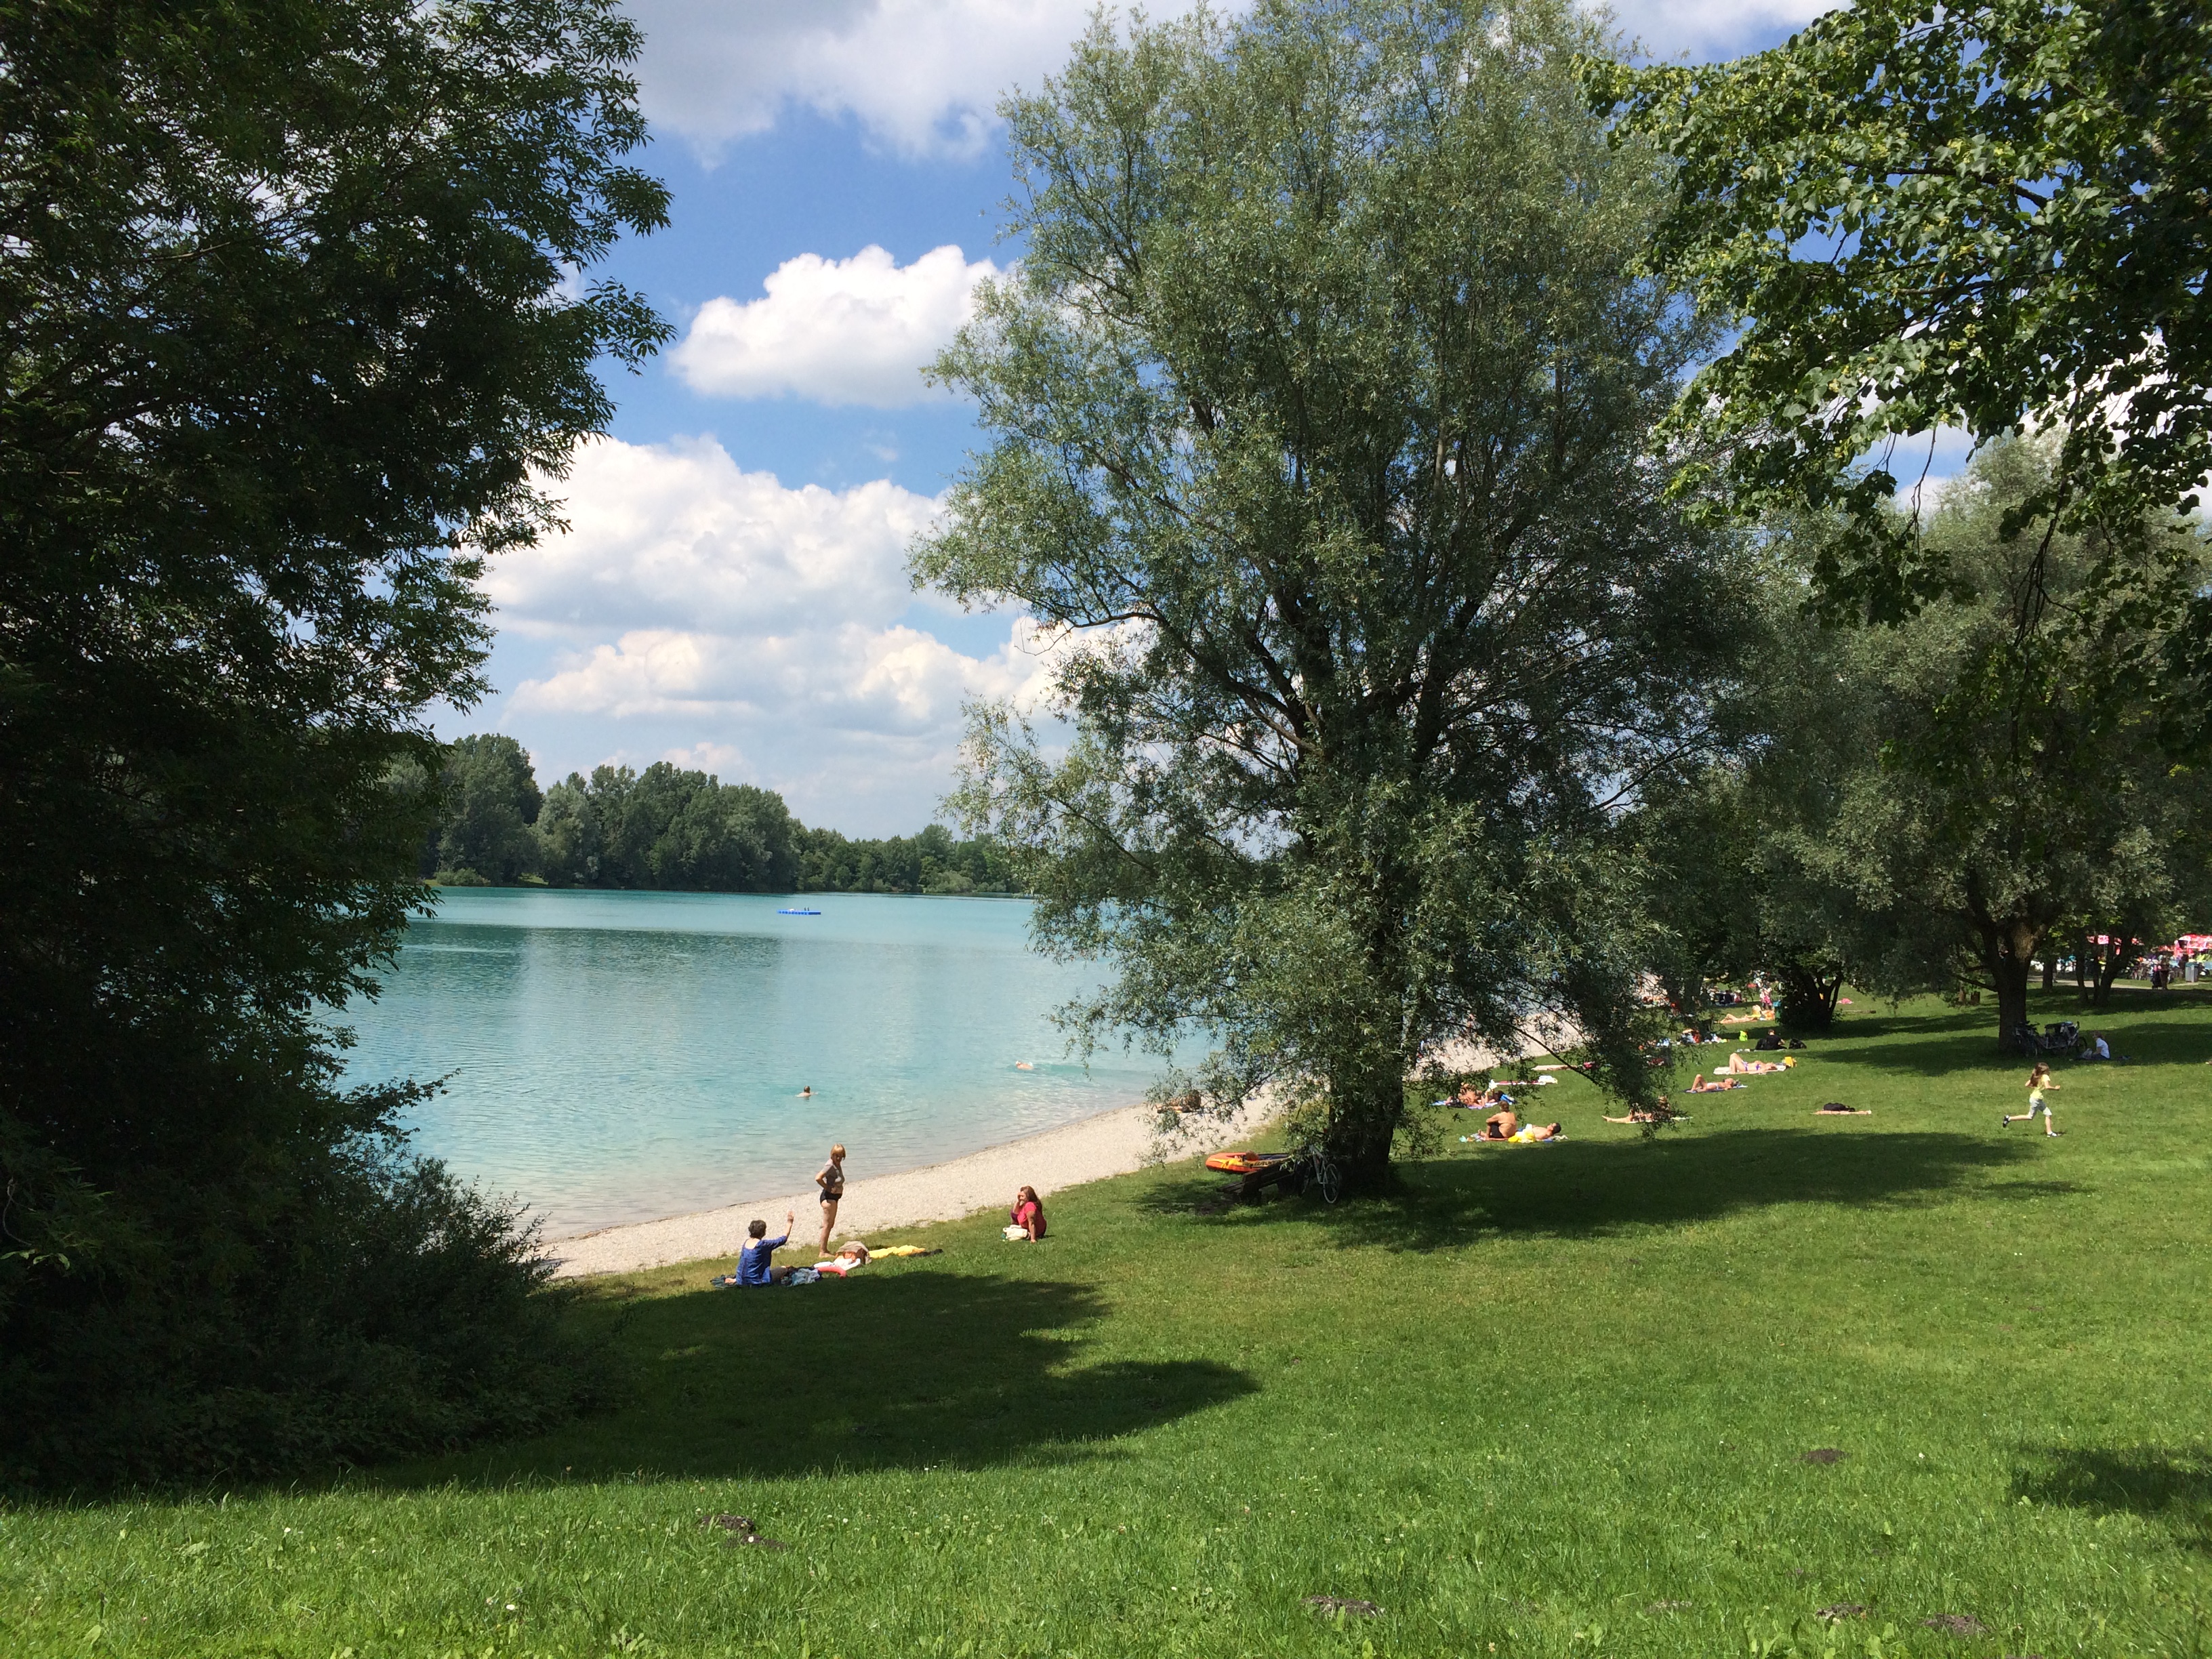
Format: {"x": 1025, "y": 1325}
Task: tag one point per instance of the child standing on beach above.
{"x": 831, "y": 1179}
{"x": 2038, "y": 1081}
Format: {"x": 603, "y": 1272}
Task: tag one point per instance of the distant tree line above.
{"x": 668, "y": 830}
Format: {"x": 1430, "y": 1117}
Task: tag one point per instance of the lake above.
{"x": 616, "y": 1057}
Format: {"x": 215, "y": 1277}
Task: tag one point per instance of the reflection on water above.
{"x": 617, "y": 1056}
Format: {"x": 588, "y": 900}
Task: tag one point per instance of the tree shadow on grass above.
{"x": 903, "y": 1366}
{"x": 2172, "y": 1487}
{"x": 1587, "y": 1189}
{"x": 2152, "y": 1026}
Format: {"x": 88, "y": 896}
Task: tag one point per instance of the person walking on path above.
{"x": 831, "y": 1179}
{"x": 2038, "y": 1081}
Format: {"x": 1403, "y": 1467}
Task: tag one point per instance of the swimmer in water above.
{"x": 1024, "y": 1065}
{"x": 807, "y": 1091}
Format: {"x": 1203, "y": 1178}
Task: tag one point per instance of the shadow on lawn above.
{"x": 2172, "y": 1487}
{"x": 1583, "y": 1188}
{"x": 904, "y": 1367}
{"x": 1937, "y": 1045}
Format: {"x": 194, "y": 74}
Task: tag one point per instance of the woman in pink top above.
{"x": 1029, "y": 1214}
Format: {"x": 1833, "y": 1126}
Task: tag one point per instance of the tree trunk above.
{"x": 1365, "y": 1108}
{"x": 2009, "y": 947}
{"x": 2010, "y": 973}
{"x": 1363, "y": 1122}
{"x": 1809, "y": 1001}
{"x": 2116, "y": 954}
{"x": 2049, "y": 969}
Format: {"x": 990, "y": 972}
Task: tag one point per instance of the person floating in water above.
{"x": 807, "y": 1091}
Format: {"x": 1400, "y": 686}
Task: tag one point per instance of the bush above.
{"x": 383, "y": 1311}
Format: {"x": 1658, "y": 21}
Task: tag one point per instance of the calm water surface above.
{"x": 618, "y": 1056}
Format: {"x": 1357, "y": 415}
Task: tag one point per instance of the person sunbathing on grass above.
{"x": 852, "y": 1254}
{"x": 1661, "y": 1113}
{"x": 1836, "y": 1108}
{"x": 1740, "y": 1067}
{"x": 1718, "y": 1086}
{"x": 1501, "y": 1125}
{"x": 1536, "y": 1131}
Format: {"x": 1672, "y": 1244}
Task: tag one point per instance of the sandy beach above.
{"x": 1112, "y": 1143}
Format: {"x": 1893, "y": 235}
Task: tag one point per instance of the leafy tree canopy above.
{"x": 1320, "y": 409}
{"x": 290, "y": 327}
{"x": 1991, "y": 216}
{"x": 1950, "y": 791}
{"x": 668, "y": 830}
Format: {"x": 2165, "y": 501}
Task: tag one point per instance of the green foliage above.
{"x": 1540, "y": 1393}
{"x": 931, "y": 862}
{"x": 1942, "y": 798}
{"x": 1990, "y": 216}
{"x": 666, "y": 827}
{"x": 490, "y": 799}
{"x": 289, "y": 333}
{"x": 671, "y": 829}
{"x": 386, "y": 1312}
{"x": 1320, "y": 409}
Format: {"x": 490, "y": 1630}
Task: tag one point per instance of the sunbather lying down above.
{"x": 1718, "y": 1086}
{"x": 1529, "y": 1134}
{"x": 1742, "y": 1067}
{"x": 1836, "y": 1108}
{"x": 1662, "y": 1113}
{"x": 853, "y": 1253}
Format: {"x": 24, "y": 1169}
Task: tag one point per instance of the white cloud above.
{"x": 892, "y": 681}
{"x": 1705, "y": 30}
{"x": 676, "y": 534}
{"x": 714, "y": 617}
{"x": 924, "y": 76}
{"x": 857, "y": 331}
{"x": 722, "y": 759}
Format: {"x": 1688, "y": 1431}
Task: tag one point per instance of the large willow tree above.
{"x": 1320, "y": 408}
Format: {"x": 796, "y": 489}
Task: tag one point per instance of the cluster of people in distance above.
{"x": 755, "y": 1262}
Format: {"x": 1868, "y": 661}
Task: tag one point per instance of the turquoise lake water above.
{"x": 619, "y": 1056}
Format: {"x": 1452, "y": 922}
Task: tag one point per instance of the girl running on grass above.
{"x": 2038, "y": 1081}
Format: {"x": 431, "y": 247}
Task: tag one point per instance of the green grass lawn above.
{"x": 1549, "y": 1401}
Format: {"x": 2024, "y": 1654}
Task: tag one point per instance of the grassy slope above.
{"x": 1551, "y": 1402}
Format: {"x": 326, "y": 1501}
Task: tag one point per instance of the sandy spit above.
{"x": 1112, "y": 1143}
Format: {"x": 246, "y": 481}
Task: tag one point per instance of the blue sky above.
{"x": 731, "y": 594}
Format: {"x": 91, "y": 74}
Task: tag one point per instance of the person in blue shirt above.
{"x": 753, "y": 1260}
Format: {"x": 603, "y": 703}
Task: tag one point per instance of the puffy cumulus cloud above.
{"x": 1705, "y": 30}
{"x": 922, "y": 75}
{"x": 857, "y": 331}
{"x": 895, "y": 681}
{"x": 925, "y": 77}
{"x": 677, "y": 533}
{"x": 697, "y": 613}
